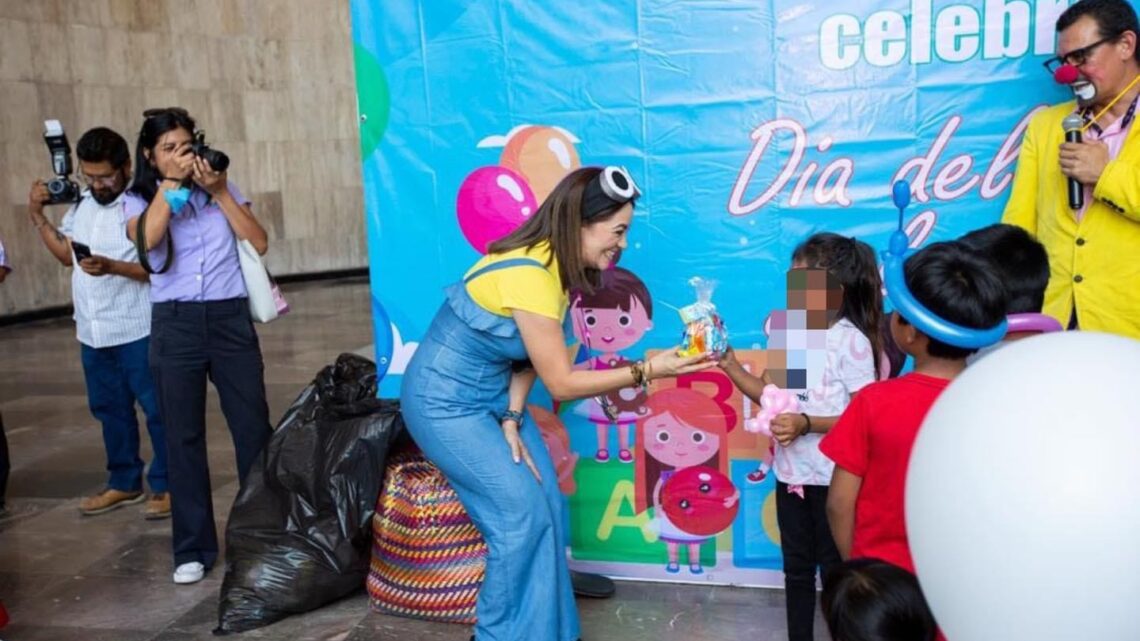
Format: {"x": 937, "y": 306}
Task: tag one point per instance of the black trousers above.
{"x": 807, "y": 544}
{"x": 5, "y": 464}
{"x": 189, "y": 343}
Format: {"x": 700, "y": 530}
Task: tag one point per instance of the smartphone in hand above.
{"x": 82, "y": 252}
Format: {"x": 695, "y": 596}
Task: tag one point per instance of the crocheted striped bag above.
{"x": 427, "y": 556}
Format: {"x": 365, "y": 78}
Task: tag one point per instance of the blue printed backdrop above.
{"x": 749, "y": 125}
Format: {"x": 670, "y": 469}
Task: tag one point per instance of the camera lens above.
{"x": 218, "y": 161}
{"x": 62, "y": 190}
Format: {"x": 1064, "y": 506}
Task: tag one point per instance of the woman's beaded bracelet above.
{"x": 637, "y": 371}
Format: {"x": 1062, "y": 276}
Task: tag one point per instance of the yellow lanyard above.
{"x": 1109, "y": 105}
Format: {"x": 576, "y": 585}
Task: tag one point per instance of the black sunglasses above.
{"x": 1076, "y": 57}
{"x": 177, "y": 111}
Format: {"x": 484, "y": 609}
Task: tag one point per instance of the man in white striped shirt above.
{"x": 111, "y": 294}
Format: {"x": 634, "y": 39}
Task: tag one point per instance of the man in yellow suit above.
{"x": 1094, "y": 249}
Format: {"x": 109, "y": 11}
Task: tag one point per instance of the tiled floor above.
{"x": 66, "y": 577}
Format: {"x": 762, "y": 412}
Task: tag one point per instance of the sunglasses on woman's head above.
{"x": 177, "y": 111}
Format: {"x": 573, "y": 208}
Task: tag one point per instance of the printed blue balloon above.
{"x": 906, "y": 304}
{"x": 384, "y": 339}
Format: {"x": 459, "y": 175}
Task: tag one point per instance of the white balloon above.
{"x": 1023, "y": 494}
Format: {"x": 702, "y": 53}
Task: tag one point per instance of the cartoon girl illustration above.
{"x": 682, "y": 428}
{"x": 611, "y": 319}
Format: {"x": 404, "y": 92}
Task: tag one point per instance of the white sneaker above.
{"x": 189, "y": 573}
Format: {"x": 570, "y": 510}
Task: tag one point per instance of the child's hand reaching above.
{"x": 788, "y": 427}
{"x": 728, "y": 359}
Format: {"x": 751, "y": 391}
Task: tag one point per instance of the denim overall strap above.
{"x": 503, "y": 264}
{"x": 481, "y": 320}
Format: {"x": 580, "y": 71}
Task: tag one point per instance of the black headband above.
{"x": 611, "y": 188}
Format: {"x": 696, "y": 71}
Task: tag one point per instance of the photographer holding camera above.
{"x": 191, "y": 225}
{"x": 112, "y": 316}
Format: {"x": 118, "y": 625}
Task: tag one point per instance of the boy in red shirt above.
{"x": 872, "y": 441}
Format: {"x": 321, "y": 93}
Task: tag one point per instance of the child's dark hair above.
{"x": 103, "y": 145}
{"x": 872, "y": 600}
{"x": 618, "y": 286}
{"x": 895, "y": 356}
{"x": 852, "y": 263}
{"x": 960, "y": 286}
{"x": 1022, "y": 261}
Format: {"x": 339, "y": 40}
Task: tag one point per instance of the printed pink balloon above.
{"x": 700, "y": 500}
{"x": 492, "y": 202}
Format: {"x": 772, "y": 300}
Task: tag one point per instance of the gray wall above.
{"x": 271, "y": 82}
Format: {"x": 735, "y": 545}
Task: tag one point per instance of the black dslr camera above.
{"x": 217, "y": 160}
{"x": 61, "y": 189}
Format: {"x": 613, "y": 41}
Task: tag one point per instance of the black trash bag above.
{"x": 299, "y": 534}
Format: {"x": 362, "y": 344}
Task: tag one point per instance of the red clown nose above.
{"x": 1066, "y": 75}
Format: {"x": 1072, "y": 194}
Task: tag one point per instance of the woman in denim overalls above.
{"x": 464, "y": 395}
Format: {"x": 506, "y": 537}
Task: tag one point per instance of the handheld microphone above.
{"x": 1072, "y": 125}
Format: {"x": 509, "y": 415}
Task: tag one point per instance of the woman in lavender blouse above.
{"x": 200, "y": 325}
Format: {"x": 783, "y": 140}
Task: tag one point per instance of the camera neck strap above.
{"x": 140, "y": 247}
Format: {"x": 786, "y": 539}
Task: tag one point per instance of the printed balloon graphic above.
{"x": 373, "y": 100}
{"x": 492, "y": 202}
{"x": 700, "y": 500}
{"x": 543, "y": 155}
{"x": 384, "y": 338}
{"x": 557, "y": 442}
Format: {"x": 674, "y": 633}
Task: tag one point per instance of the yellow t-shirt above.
{"x": 524, "y": 287}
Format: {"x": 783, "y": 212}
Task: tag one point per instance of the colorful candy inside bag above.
{"x": 704, "y": 330}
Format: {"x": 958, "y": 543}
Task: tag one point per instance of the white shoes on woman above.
{"x": 189, "y": 573}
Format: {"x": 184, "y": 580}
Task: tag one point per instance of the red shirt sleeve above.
{"x": 847, "y": 442}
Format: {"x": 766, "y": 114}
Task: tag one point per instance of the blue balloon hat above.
{"x": 908, "y": 306}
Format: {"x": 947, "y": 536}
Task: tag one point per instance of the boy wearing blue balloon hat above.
{"x": 871, "y": 442}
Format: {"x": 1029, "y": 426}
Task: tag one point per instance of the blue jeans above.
{"x": 117, "y": 377}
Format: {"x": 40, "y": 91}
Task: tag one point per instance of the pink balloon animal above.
{"x": 774, "y": 401}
